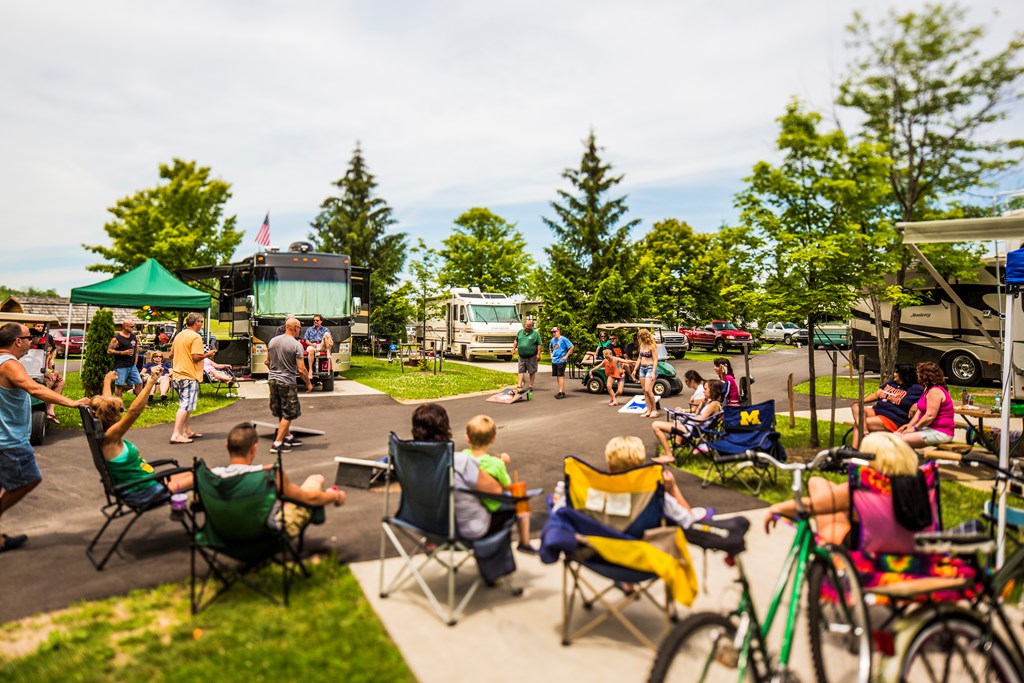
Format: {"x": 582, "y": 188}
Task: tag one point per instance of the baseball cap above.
{"x": 554, "y": 329}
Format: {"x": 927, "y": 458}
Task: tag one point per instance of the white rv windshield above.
{"x": 492, "y": 314}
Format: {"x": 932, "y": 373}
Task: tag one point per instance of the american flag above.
{"x": 263, "y": 236}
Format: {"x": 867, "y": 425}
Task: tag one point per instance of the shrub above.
{"x": 96, "y": 362}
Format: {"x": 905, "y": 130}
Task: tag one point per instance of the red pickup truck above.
{"x": 719, "y": 335}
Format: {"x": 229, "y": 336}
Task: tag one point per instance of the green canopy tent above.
{"x": 150, "y": 284}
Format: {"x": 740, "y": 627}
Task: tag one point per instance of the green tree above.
{"x": 180, "y": 223}
{"x": 809, "y": 212}
{"x": 423, "y": 269}
{"x": 591, "y": 243}
{"x": 390, "y": 317}
{"x": 486, "y": 251}
{"x": 96, "y": 362}
{"x": 926, "y": 93}
{"x": 27, "y": 291}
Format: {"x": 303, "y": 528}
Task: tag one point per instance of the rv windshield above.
{"x": 302, "y": 292}
{"x": 492, "y": 314}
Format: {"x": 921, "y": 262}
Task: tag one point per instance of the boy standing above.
{"x": 481, "y": 433}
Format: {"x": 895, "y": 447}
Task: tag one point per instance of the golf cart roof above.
{"x": 625, "y": 326}
{"x": 27, "y": 318}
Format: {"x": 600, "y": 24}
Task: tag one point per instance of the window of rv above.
{"x": 302, "y": 292}
{"x": 492, "y": 314}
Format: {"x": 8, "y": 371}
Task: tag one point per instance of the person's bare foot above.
{"x": 613, "y": 403}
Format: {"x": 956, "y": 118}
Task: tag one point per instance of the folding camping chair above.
{"x": 689, "y": 434}
{"x": 745, "y": 428}
{"x": 236, "y": 511}
{"x": 219, "y": 384}
{"x": 425, "y": 522}
{"x": 116, "y": 507}
{"x": 611, "y": 526}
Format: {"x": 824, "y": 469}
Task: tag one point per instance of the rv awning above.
{"x": 963, "y": 230}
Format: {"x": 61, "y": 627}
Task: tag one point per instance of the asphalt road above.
{"x": 63, "y": 513}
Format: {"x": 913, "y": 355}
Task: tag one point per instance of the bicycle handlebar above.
{"x": 977, "y": 460}
{"x": 823, "y": 460}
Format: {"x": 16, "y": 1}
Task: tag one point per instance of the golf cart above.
{"x": 35, "y": 365}
{"x": 667, "y": 384}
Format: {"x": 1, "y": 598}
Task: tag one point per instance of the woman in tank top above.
{"x": 932, "y": 424}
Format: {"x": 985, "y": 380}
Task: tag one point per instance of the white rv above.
{"x": 469, "y": 323}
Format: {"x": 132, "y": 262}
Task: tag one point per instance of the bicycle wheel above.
{"x": 838, "y": 620}
{"x": 699, "y": 649}
{"x": 953, "y": 648}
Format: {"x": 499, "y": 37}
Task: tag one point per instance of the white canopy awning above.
{"x": 964, "y": 230}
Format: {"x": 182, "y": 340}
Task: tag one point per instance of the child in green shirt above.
{"x": 481, "y": 433}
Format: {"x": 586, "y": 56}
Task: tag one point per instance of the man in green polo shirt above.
{"x": 527, "y": 344}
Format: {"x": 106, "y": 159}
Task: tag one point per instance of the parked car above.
{"x": 73, "y": 344}
{"x": 781, "y": 332}
{"x": 667, "y": 383}
{"x": 719, "y": 335}
{"x": 827, "y": 334}
{"x": 676, "y": 344}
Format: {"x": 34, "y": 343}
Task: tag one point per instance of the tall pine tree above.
{"x": 592, "y": 243}
{"x": 356, "y": 223}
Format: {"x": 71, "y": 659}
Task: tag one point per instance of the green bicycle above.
{"x": 711, "y": 647}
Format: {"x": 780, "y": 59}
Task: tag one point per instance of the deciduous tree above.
{"x": 180, "y": 223}
{"x": 927, "y": 95}
{"x": 486, "y": 251}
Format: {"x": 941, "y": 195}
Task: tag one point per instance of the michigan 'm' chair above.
{"x": 116, "y": 506}
{"x": 235, "y": 512}
{"x": 616, "y": 548}
{"x": 744, "y": 428}
{"x": 425, "y": 524}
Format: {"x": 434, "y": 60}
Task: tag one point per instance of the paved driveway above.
{"x": 61, "y": 515}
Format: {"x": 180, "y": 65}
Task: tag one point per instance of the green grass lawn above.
{"x": 156, "y": 413}
{"x": 412, "y": 384}
{"x": 735, "y": 358}
{"x": 329, "y": 632}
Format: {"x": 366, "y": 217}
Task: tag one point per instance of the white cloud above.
{"x": 457, "y": 104}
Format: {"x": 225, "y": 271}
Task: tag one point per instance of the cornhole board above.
{"x": 359, "y": 473}
{"x": 637, "y": 405}
{"x": 510, "y": 395}
{"x": 301, "y": 431}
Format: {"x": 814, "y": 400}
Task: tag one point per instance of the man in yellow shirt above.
{"x": 187, "y": 355}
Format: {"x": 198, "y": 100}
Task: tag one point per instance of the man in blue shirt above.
{"x": 19, "y": 473}
{"x": 318, "y": 341}
{"x": 560, "y": 348}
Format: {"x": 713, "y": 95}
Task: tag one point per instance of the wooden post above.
{"x": 860, "y": 397}
{"x": 746, "y": 371}
{"x": 834, "y": 355}
{"x": 792, "y": 402}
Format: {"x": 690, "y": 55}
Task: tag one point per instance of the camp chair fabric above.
{"x": 425, "y": 523}
{"x": 116, "y": 506}
{"x": 745, "y": 428}
{"x": 236, "y": 511}
{"x": 688, "y": 434}
{"x": 612, "y": 526}
{"x": 883, "y": 551}
{"x": 218, "y": 384}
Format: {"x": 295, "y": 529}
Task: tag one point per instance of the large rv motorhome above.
{"x": 470, "y": 323}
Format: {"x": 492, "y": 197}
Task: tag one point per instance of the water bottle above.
{"x": 998, "y": 405}
{"x": 970, "y": 400}
{"x": 558, "y": 497}
{"x": 963, "y": 397}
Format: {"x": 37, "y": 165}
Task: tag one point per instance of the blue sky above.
{"x": 456, "y": 104}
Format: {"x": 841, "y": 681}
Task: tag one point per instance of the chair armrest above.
{"x": 319, "y": 514}
{"x": 156, "y": 476}
{"x": 164, "y": 461}
{"x": 504, "y": 497}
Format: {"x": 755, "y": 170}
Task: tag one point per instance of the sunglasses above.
{"x": 25, "y": 336}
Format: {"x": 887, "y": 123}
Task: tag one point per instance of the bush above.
{"x": 96, "y": 362}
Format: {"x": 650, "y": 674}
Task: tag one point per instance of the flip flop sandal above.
{"x": 53, "y": 419}
{"x": 179, "y": 443}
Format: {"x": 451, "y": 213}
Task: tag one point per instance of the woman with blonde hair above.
{"x": 829, "y": 502}
{"x": 122, "y": 456}
{"x": 647, "y": 370}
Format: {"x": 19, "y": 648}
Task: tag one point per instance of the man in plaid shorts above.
{"x": 187, "y": 355}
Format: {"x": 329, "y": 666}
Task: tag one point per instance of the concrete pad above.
{"x": 259, "y": 389}
{"x": 502, "y": 638}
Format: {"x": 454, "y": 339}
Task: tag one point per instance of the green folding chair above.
{"x": 235, "y": 513}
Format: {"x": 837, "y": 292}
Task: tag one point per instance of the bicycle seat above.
{"x": 727, "y": 535}
{"x": 968, "y": 538}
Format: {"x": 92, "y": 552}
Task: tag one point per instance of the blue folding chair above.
{"x": 745, "y": 428}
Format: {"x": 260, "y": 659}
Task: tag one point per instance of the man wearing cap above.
{"x": 526, "y": 344}
{"x": 560, "y": 348}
